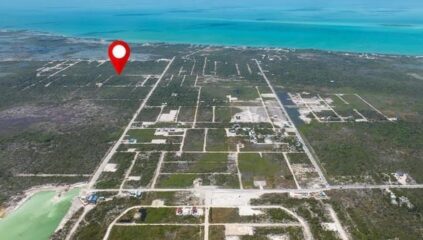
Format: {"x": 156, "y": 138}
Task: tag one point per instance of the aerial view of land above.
{"x": 207, "y": 142}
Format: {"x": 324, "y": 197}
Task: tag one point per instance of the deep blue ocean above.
{"x": 344, "y": 25}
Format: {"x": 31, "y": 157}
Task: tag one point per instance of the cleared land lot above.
{"x": 216, "y": 140}
{"x": 269, "y": 170}
{"x": 198, "y": 163}
{"x": 114, "y": 178}
{"x": 187, "y": 180}
{"x": 144, "y": 168}
{"x": 232, "y": 215}
{"x": 157, "y": 232}
{"x": 194, "y": 140}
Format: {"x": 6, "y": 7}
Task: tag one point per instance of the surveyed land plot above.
{"x": 143, "y": 170}
{"x": 115, "y": 171}
{"x": 198, "y": 163}
{"x": 362, "y": 108}
{"x": 194, "y": 140}
{"x": 265, "y": 170}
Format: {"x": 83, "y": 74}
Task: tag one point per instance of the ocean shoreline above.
{"x": 105, "y": 41}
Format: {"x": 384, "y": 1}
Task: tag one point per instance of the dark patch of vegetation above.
{"x": 368, "y": 214}
{"x": 360, "y": 149}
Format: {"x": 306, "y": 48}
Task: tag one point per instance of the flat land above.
{"x": 217, "y": 143}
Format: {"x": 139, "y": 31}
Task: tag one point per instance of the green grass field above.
{"x": 157, "y": 232}
{"x": 271, "y": 168}
{"x": 194, "y": 140}
{"x": 142, "y": 135}
{"x": 216, "y": 140}
{"x": 198, "y": 163}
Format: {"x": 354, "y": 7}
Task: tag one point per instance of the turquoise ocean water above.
{"x": 378, "y": 28}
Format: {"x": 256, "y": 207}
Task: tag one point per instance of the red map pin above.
{"x": 119, "y": 53}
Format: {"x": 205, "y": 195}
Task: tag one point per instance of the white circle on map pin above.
{"x": 119, "y": 51}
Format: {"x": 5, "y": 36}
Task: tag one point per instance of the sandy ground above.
{"x": 76, "y": 205}
{"x": 278, "y": 237}
{"x": 248, "y": 211}
{"x": 238, "y": 230}
{"x": 250, "y": 114}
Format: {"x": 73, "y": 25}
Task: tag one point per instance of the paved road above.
{"x": 76, "y": 225}
{"x": 301, "y": 222}
{"x": 51, "y": 175}
{"x": 305, "y": 147}
{"x": 117, "y": 144}
{"x": 263, "y": 191}
{"x": 113, "y": 150}
{"x": 226, "y": 192}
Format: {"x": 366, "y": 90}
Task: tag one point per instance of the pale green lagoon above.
{"x": 38, "y": 217}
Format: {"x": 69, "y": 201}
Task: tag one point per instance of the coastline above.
{"x": 76, "y": 204}
{"x": 58, "y": 204}
{"x": 105, "y": 41}
{"x": 29, "y": 193}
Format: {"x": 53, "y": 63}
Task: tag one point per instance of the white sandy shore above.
{"x": 75, "y": 206}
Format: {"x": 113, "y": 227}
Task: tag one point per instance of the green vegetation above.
{"x": 358, "y": 150}
{"x": 170, "y": 198}
{"x": 216, "y": 96}
{"x": 194, "y": 140}
{"x": 124, "y": 94}
{"x": 62, "y": 233}
{"x": 144, "y": 167}
{"x": 142, "y": 135}
{"x": 62, "y": 124}
{"x": 298, "y": 158}
{"x": 370, "y": 215}
{"x": 176, "y": 180}
{"x": 295, "y": 233}
{"x": 356, "y": 103}
{"x": 216, "y": 232}
{"x": 186, "y": 114}
{"x": 149, "y": 114}
{"x": 186, "y": 180}
{"x": 97, "y": 220}
{"x": 217, "y": 140}
{"x": 160, "y": 215}
{"x": 262, "y": 233}
{"x": 205, "y": 114}
{"x": 13, "y": 185}
{"x": 108, "y": 180}
{"x": 67, "y": 122}
{"x": 156, "y": 232}
{"x": 198, "y": 163}
{"x": 224, "y": 114}
{"x": 270, "y": 168}
{"x": 341, "y": 107}
{"x": 169, "y": 146}
{"x": 174, "y": 95}
{"x": 224, "y": 180}
{"x": 312, "y": 210}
